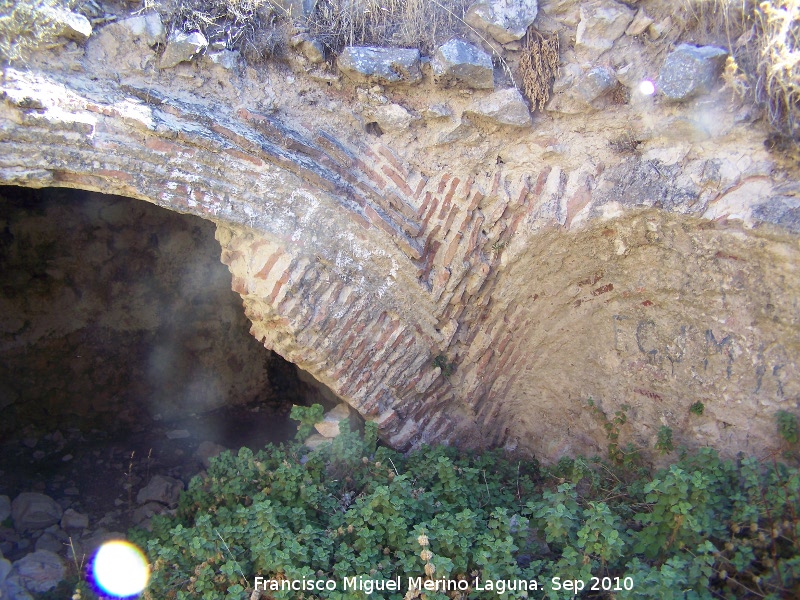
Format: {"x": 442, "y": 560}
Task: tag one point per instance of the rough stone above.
{"x": 13, "y": 588}
{"x": 438, "y": 111}
{"x": 208, "y": 450}
{"x": 227, "y": 59}
{"x": 329, "y": 426}
{"x": 460, "y": 63}
{"x": 505, "y": 21}
{"x": 390, "y": 117}
{"x": 89, "y": 544}
{"x": 49, "y": 541}
{"x": 5, "y": 569}
{"x": 40, "y": 571}
{"x": 313, "y": 50}
{"x": 5, "y": 508}
{"x": 165, "y": 490}
{"x": 143, "y": 515}
{"x": 316, "y": 440}
{"x": 72, "y": 519}
{"x": 385, "y": 66}
{"x": 149, "y": 28}
{"x": 602, "y": 22}
{"x": 595, "y": 83}
{"x": 783, "y": 211}
{"x": 182, "y": 47}
{"x": 639, "y": 24}
{"x": 690, "y": 71}
{"x": 506, "y": 107}
{"x": 68, "y": 24}
{"x": 32, "y": 510}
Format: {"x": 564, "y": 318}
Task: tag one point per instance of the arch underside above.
{"x": 372, "y": 276}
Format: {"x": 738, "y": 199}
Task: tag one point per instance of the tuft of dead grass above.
{"x": 779, "y": 65}
{"x": 422, "y": 24}
{"x": 763, "y": 39}
{"x": 538, "y": 66}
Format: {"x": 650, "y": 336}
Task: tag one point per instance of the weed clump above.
{"x": 709, "y": 527}
{"x": 539, "y": 67}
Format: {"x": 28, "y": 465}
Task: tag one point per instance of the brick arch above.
{"x": 340, "y": 253}
{"x": 362, "y": 271}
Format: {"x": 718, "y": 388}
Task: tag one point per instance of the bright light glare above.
{"x": 120, "y": 569}
{"x": 647, "y": 88}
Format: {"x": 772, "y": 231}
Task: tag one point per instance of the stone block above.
{"x": 32, "y": 511}
{"x": 40, "y": 571}
{"x": 329, "y": 426}
{"x": 165, "y": 490}
{"x": 460, "y": 63}
{"x": 690, "y": 71}
{"x": 149, "y": 28}
{"x": 601, "y": 23}
{"x": 72, "y": 519}
{"x": 505, "y": 21}
{"x": 182, "y": 47}
{"x": 506, "y": 107}
{"x": 384, "y": 66}
{"x": 390, "y": 117}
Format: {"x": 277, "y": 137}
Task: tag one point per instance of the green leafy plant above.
{"x": 697, "y": 408}
{"x": 702, "y": 528}
{"x": 787, "y": 426}
{"x": 664, "y": 440}
{"x": 446, "y": 367}
{"x": 308, "y": 416}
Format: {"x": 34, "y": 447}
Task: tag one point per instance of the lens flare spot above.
{"x": 647, "y": 88}
{"x": 120, "y": 569}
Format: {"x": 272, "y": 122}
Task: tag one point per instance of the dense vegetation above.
{"x": 702, "y": 528}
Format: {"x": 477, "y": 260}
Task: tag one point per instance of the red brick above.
{"x": 239, "y": 285}
{"x": 115, "y": 174}
{"x": 159, "y": 145}
{"x": 420, "y": 186}
{"x": 408, "y": 248}
{"x": 370, "y": 174}
{"x": 476, "y": 229}
{"x": 378, "y": 220}
{"x": 244, "y": 156}
{"x": 448, "y": 198}
{"x": 284, "y": 279}
{"x": 495, "y": 184}
{"x": 450, "y": 217}
{"x": 398, "y": 180}
{"x": 432, "y": 210}
{"x": 578, "y": 202}
{"x": 392, "y": 158}
{"x": 452, "y": 248}
{"x": 443, "y": 183}
{"x": 401, "y": 206}
{"x": 476, "y": 200}
{"x": 424, "y": 205}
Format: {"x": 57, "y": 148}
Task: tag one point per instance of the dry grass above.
{"x": 779, "y": 65}
{"x": 764, "y": 41}
{"x": 422, "y": 24}
{"x": 538, "y": 66}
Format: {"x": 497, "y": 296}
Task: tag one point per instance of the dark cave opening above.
{"x": 124, "y": 354}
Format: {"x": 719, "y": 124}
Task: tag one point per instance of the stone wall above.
{"x": 113, "y": 310}
{"x": 447, "y": 265}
